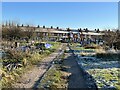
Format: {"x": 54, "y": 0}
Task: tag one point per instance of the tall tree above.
{"x": 51, "y": 27}
{"x": 57, "y": 27}
{"x": 68, "y": 29}
{"x": 43, "y": 26}
{"x": 17, "y": 25}
{"x": 80, "y": 30}
{"x": 98, "y": 30}
{"x": 22, "y": 25}
{"x": 95, "y": 30}
{"x": 28, "y": 26}
{"x": 86, "y": 30}
{"x": 38, "y": 26}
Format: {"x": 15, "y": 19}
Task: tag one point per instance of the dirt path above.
{"x": 76, "y": 79}
{"x": 29, "y": 79}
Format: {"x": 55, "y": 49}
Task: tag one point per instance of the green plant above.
{"x": 35, "y": 58}
{"x": 47, "y": 52}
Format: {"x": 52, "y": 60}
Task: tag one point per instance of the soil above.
{"x": 76, "y": 80}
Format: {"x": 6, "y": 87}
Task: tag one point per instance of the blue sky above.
{"x": 63, "y": 14}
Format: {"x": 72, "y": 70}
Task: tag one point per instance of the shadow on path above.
{"x": 77, "y": 80}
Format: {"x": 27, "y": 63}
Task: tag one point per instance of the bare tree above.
{"x": 12, "y": 33}
{"x": 110, "y": 37}
{"x": 57, "y": 27}
{"x": 29, "y": 33}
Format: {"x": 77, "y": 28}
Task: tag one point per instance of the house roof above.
{"x": 65, "y": 31}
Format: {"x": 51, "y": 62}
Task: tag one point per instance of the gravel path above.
{"x": 29, "y": 79}
{"x": 76, "y": 79}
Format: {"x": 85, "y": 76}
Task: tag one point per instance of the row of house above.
{"x": 56, "y": 34}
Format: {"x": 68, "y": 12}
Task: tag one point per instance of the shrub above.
{"x": 13, "y": 54}
{"x": 51, "y": 49}
{"x": 35, "y": 58}
{"x": 47, "y": 52}
{"x": 24, "y": 61}
{"x": 111, "y": 56}
{"x": 93, "y": 46}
